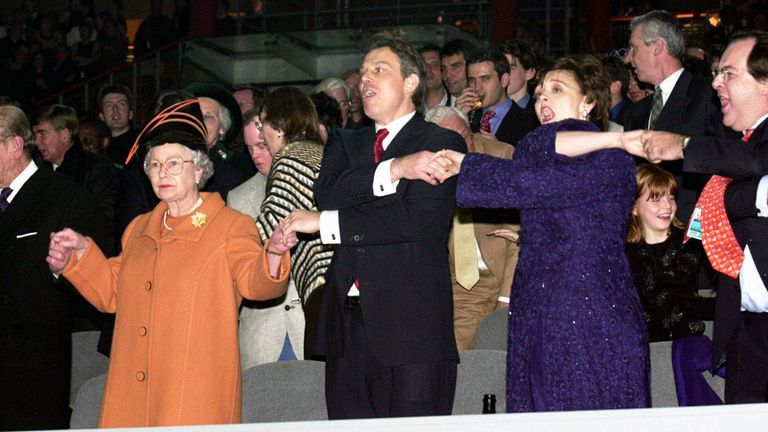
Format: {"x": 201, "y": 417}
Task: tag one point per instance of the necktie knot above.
{"x": 378, "y": 146}
{"x": 747, "y": 134}
{"x": 485, "y": 122}
{"x": 4, "y": 194}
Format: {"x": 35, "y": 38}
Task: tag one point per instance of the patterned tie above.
{"x": 464, "y": 246}
{"x": 720, "y": 244}
{"x": 658, "y": 104}
{"x": 4, "y": 194}
{"x": 485, "y": 122}
{"x": 378, "y": 148}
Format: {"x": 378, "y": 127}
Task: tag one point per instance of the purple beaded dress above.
{"x": 577, "y": 339}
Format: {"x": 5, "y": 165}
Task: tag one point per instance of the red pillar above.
{"x": 599, "y": 25}
{"x": 203, "y": 22}
{"x": 503, "y": 19}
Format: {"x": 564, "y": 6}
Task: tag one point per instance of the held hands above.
{"x": 280, "y": 242}
{"x": 61, "y": 246}
{"x": 416, "y": 166}
{"x": 662, "y": 146}
{"x": 656, "y": 146}
{"x": 446, "y": 164}
{"x": 299, "y": 221}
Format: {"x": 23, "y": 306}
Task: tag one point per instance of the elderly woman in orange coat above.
{"x": 176, "y": 287}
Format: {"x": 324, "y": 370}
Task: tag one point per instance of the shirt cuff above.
{"x": 329, "y": 227}
{"x": 762, "y": 197}
{"x": 382, "y": 180}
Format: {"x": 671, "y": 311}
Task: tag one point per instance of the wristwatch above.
{"x": 684, "y": 143}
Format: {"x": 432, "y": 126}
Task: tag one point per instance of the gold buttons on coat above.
{"x": 148, "y": 285}
{"x": 140, "y": 376}
{"x": 142, "y": 331}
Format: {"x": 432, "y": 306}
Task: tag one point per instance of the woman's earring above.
{"x": 584, "y": 114}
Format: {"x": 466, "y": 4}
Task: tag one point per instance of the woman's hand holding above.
{"x": 61, "y": 246}
{"x": 446, "y": 164}
{"x": 632, "y": 142}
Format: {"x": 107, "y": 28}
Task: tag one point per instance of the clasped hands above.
{"x": 655, "y": 146}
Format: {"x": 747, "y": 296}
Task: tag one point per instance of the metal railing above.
{"x": 284, "y": 16}
{"x": 145, "y": 76}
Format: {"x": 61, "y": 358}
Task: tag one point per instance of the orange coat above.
{"x": 175, "y": 357}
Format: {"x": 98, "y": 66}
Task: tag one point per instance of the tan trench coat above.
{"x": 175, "y": 357}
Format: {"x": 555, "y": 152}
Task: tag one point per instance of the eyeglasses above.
{"x": 173, "y": 166}
{"x": 726, "y": 74}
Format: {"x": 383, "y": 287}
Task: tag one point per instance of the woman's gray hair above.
{"x": 200, "y": 160}
{"x": 660, "y": 24}
{"x": 331, "y": 84}
{"x": 442, "y": 112}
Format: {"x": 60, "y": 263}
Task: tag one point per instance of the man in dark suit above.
{"x": 55, "y": 130}
{"x": 387, "y": 330}
{"x": 35, "y": 307}
{"x": 499, "y": 116}
{"x": 741, "y": 317}
{"x": 682, "y": 103}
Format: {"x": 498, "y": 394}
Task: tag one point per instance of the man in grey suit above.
{"x": 271, "y": 330}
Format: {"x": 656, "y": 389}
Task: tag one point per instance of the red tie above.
{"x": 723, "y": 250}
{"x": 485, "y": 122}
{"x": 378, "y": 148}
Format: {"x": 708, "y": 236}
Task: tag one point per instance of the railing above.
{"x": 145, "y": 76}
{"x": 281, "y": 16}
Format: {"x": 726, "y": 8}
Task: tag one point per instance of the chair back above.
{"x": 87, "y": 362}
{"x": 87, "y": 405}
{"x": 480, "y": 372}
{"x": 292, "y": 390}
{"x": 493, "y": 332}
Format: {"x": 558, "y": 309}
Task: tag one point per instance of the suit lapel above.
{"x": 676, "y": 105}
{"x": 401, "y": 145}
{"x": 24, "y": 205}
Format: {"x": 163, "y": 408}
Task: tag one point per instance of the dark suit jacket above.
{"x": 35, "y": 308}
{"x": 692, "y": 109}
{"x": 394, "y": 245}
{"x": 746, "y": 163}
{"x": 97, "y": 175}
{"x": 515, "y": 125}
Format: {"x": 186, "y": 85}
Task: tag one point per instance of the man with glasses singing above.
{"x": 734, "y": 212}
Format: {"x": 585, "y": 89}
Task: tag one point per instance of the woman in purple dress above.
{"x": 577, "y": 339}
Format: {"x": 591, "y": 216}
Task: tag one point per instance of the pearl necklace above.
{"x": 165, "y": 215}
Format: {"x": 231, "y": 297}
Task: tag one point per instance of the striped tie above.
{"x": 658, "y": 104}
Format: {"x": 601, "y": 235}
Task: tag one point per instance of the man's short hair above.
{"x": 60, "y": 117}
{"x": 13, "y": 122}
{"x": 115, "y": 88}
{"x": 430, "y": 47}
{"x": 493, "y": 56}
{"x": 458, "y": 46}
{"x": 757, "y": 62}
{"x": 332, "y": 84}
{"x": 522, "y": 51}
{"x": 410, "y": 63}
{"x": 616, "y": 70}
{"x": 660, "y": 24}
